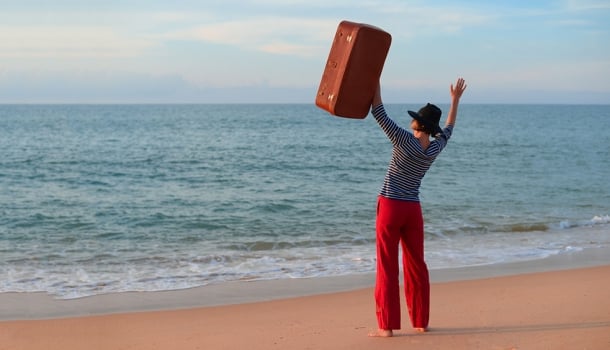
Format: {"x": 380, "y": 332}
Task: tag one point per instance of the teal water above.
{"x": 110, "y": 198}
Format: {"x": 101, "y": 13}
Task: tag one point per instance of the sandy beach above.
{"x": 565, "y": 308}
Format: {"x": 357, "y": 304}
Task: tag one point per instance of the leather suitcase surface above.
{"x": 353, "y": 69}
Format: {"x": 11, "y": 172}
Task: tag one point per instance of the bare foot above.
{"x": 382, "y": 333}
{"x": 421, "y": 330}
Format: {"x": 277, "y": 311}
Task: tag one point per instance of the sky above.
{"x": 274, "y": 51}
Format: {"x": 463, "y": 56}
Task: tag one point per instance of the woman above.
{"x": 399, "y": 214}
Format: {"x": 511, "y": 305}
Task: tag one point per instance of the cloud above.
{"x": 124, "y": 87}
{"x": 92, "y": 87}
{"x": 283, "y": 48}
{"x": 587, "y": 5}
{"x": 557, "y": 77}
{"x": 292, "y": 36}
{"x": 426, "y": 18}
{"x": 67, "y": 42}
{"x": 306, "y": 37}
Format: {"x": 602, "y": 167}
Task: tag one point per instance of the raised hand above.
{"x": 460, "y": 86}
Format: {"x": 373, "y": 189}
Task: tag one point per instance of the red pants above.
{"x": 401, "y": 222}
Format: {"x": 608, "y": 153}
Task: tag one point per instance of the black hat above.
{"x": 429, "y": 115}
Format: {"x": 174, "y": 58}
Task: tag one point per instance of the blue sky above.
{"x": 267, "y": 51}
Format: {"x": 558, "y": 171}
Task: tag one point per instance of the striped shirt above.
{"x": 409, "y": 161}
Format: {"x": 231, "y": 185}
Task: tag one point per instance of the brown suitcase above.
{"x": 353, "y": 69}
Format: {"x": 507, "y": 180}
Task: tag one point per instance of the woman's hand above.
{"x": 460, "y": 86}
{"x": 456, "y": 93}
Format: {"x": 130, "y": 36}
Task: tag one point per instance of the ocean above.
{"x": 100, "y": 199}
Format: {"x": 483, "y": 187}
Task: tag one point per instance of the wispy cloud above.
{"x": 587, "y": 5}
{"x": 295, "y": 36}
{"x": 306, "y": 36}
{"x": 68, "y": 42}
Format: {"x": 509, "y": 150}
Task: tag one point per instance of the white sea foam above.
{"x": 190, "y": 270}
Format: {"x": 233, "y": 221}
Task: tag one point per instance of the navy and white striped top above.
{"x": 409, "y": 161}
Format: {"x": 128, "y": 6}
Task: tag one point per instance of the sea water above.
{"x": 111, "y": 198}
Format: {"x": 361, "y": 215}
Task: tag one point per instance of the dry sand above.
{"x": 565, "y": 309}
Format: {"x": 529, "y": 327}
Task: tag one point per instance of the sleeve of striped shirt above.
{"x": 440, "y": 141}
{"x": 395, "y": 133}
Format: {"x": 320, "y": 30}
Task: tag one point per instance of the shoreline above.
{"x": 561, "y": 309}
{"x": 41, "y": 306}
